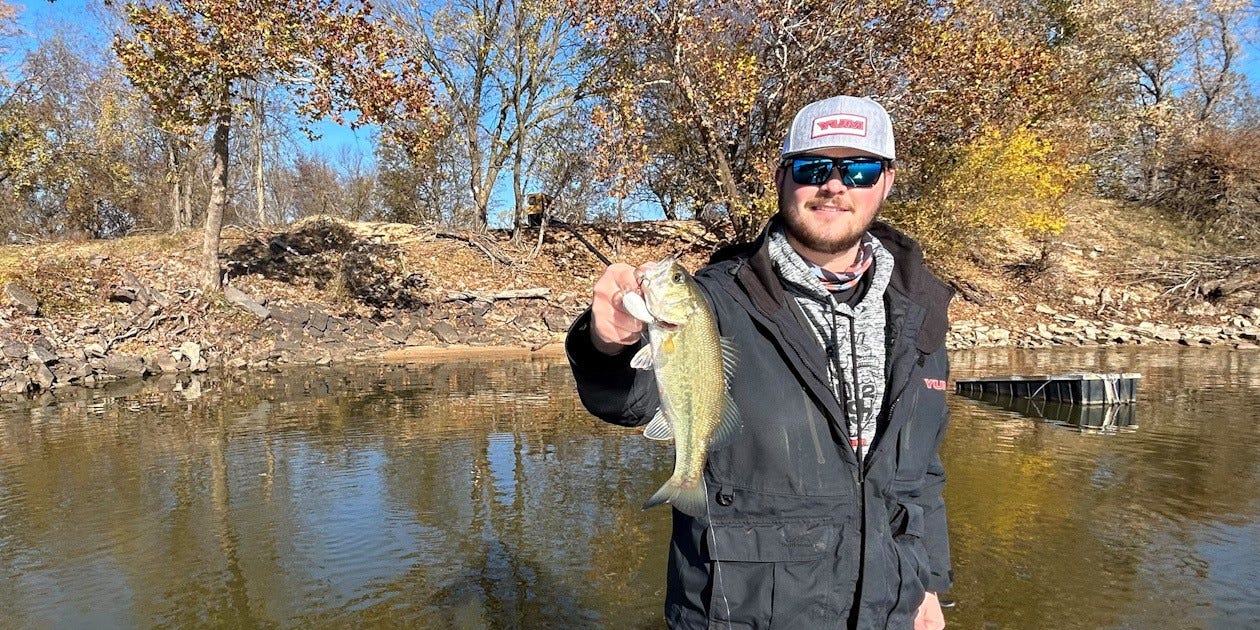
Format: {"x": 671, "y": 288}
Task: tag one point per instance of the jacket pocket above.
{"x": 777, "y": 576}
{"x": 911, "y": 458}
{"x": 913, "y": 570}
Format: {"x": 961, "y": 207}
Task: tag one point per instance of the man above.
{"x": 825, "y": 510}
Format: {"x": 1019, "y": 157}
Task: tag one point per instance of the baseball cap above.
{"x": 841, "y": 121}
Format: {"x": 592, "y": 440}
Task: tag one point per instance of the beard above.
{"x": 824, "y": 242}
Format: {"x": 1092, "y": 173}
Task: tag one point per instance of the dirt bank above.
{"x": 324, "y": 291}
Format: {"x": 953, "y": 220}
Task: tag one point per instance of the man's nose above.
{"x": 834, "y": 183}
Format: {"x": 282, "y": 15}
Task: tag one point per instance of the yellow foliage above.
{"x": 1001, "y": 180}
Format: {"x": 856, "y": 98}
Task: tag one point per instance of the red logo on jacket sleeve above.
{"x": 934, "y": 383}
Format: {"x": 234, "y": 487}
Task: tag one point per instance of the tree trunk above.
{"x": 172, "y": 168}
{"x": 259, "y": 188}
{"x": 212, "y": 279}
{"x": 177, "y": 170}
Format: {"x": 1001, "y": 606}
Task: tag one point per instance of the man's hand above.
{"x": 930, "y": 616}
{"x": 612, "y": 327}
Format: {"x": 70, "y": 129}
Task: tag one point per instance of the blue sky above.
{"x": 37, "y": 18}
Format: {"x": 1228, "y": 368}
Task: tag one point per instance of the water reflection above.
{"x": 481, "y": 495}
{"x": 1067, "y": 529}
{"x": 1108, "y": 418}
{"x": 463, "y": 496}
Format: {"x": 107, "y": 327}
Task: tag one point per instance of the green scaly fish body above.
{"x": 691, "y": 363}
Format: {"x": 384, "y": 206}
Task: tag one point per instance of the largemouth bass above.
{"x": 692, "y": 364}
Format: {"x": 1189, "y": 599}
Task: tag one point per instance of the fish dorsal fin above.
{"x": 729, "y": 423}
{"x": 643, "y": 358}
{"x": 659, "y": 428}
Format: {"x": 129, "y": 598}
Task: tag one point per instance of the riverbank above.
{"x": 324, "y": 291}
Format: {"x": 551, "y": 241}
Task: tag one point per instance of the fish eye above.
{"x": 678, "y": 277}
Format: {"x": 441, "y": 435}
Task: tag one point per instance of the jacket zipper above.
{"x": 857, "y": 400}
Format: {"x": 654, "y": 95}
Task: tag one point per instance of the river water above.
{"x": 481, "y": 495}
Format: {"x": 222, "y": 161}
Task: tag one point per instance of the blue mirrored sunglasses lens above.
{"x": 810, "y": 172}
{"x": 862, "y": 174}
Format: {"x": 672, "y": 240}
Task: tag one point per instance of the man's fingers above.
{"x": 612, "y": 325}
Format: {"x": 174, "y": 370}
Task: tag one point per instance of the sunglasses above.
{"x": 855, "y": 172}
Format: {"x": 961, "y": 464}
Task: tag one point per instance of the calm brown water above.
{"x": 481, "y": 495}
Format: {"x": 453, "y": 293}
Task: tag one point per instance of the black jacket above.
{"x": 804, "y": 536}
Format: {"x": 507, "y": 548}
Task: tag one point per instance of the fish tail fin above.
{"x": 687, "y": 497}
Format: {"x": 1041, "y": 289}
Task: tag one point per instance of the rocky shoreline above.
{"x": 39, "y": 355}
{"x": 1240, "y": 330}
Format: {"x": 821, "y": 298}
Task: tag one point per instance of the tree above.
{"x": 716, "y": 83}
{"x": 76, "y": 150}
{"x": 505, "y": 69}
{"x": 192, "y": 57}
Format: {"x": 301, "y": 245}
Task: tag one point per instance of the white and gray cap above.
{"x": 841, "y": 122}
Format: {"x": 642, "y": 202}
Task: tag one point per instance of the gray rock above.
{"x": 14, "y": 349}
{"x": 237, "y": 297}
{"x": 318, "y": 321}
{"x": 123, "y": 365}
{"x": 1045, "y": 310}
{"x": 395, "y": 332}
{"x": 191, "y": 351}
{"x": 94, "y": 350}
{"x": 123, "y": 294}
{"x": 132, "y": 282}
{"x": 526, "y": 319}
{"x": 1250, "y": 312}
{"x": 445, "y": 333}
{"x": 163, "y": 362}
{"x": 21, "y": 298}
{"x": 480, "y": 308}
{"x": 1168, "y": 334}
{"x": 41, "y": 356}
{"x": 44, "y": 377}
{"x": 20, "y": 384}
{"x": 364, "y": 327}
{"x": 557, "y": 320}
{"x": 237, "y": 363}
{"x": 291, "y": 316}
{"x": 79, "y": 370}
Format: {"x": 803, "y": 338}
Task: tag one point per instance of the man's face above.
{"x": 829, "y": 219}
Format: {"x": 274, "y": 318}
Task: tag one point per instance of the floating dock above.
{"x": 1077, "y": 389}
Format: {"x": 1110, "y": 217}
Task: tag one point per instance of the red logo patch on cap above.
{"x": 839, "y": 125}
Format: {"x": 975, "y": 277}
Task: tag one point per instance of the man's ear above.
{"x": 889, "y": 176}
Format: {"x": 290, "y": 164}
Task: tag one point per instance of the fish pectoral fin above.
{"x": 634, "y": 304}
{"x": 659, "y": 428}
{"x": 643, "y": 358}
{"x": 730, "y": 359}
{"x": 729, "y": 422}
